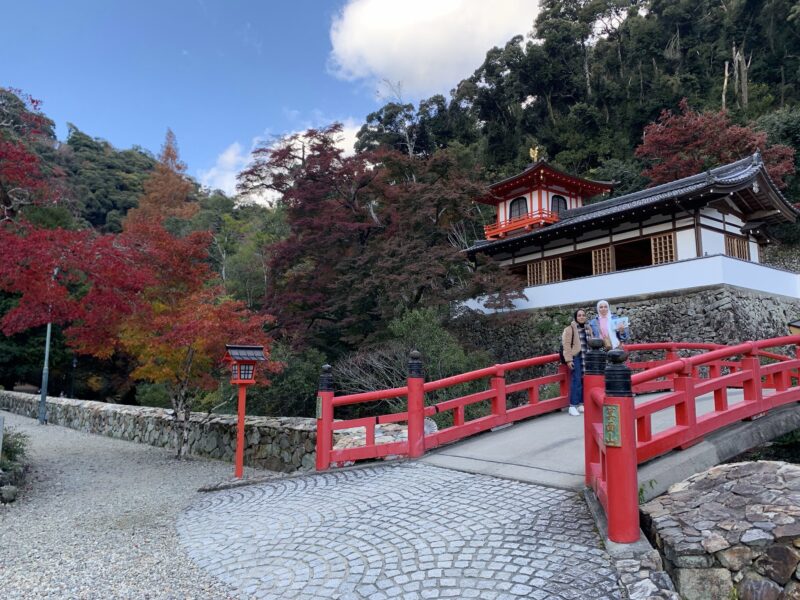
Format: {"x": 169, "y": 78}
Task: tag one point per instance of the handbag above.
{"x": 561, "y": 349}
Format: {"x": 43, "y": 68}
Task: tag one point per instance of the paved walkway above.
{"x": 103, "y": 518}
{"x": 549, "y": 449}
{"x": 404, "y": 530}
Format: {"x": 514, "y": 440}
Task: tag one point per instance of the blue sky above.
{"x": 225, "y": 74}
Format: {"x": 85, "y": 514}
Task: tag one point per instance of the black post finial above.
{"x": 618, "y": 375}
{"x": 595, "y": 357}
{"x": 326, "y": 379}
{"x": 415, "y": 364}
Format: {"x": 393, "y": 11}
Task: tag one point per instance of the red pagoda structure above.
{"x": 536, "y": 197}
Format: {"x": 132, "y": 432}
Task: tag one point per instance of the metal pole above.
{"x": 45, "y": 372}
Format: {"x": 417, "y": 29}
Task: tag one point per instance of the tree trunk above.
{"x": 550, "y": 109}
{"x": 586, "y": 73}
{"x": 725, "y": 85}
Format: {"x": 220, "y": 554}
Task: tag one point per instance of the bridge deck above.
{"x": 549, "y": 450}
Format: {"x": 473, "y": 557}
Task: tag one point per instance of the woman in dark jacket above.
{"x": 573, "y": 340}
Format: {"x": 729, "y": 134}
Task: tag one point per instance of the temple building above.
{"x": 704, "y": 230}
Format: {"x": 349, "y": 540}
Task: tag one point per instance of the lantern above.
{"x": 242, "y": 360}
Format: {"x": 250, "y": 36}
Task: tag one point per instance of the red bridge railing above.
{"x": 619, "y": 433}
{"x": 414, "y": 393}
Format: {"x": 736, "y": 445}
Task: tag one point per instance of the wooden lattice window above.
{"x": 738, "y": 247}
{"x": 601, "y": 260}
{"x": 544, "y": 271}
{"x": 663, "y": 248}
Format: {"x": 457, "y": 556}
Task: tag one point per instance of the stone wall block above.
{"x": 269, "y": 444}
{"x": 755, "y": 587}
{"x": 778, "y": 562}
{"x": 704, "y": 584}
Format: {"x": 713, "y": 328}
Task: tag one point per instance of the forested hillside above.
{"x": 361, "y": 255}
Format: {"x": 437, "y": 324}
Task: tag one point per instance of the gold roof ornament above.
{"x": 534, "y": 153}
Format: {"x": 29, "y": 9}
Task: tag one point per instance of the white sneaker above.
{"x": 573, "y": 410}
{"x": 580, "y": 407}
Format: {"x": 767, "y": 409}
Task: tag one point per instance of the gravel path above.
{"x": 96, "y": 519}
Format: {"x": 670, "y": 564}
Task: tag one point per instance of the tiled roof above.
{"x": 246, "y": 352}
{"x": 730, "y": 175}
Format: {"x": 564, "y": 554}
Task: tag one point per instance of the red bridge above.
{"x": 746, "y": 381}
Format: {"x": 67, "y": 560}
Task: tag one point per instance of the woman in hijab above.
{"x": 573, "y": 342}
{"x": 609, "y": 328}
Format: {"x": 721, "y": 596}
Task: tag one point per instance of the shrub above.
{"x": 15, "y": 447}
{"x": 385, "y": 365}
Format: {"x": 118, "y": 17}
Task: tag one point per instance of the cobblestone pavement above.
{"x": 399, "y": 531}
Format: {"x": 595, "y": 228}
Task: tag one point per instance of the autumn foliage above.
{"x": 24, "y": 179}
{"x": 680, "y": 145}
{"x": 372, "y": 235}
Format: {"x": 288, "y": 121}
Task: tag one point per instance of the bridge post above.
{"x": 593, "y": 379}
{"x": 620, "y": 442}
{"x": 499, "y": 400}
{"x": 416, "y": 406}
{"x": 751, "y": 387}
{"x": 325, "y": 419}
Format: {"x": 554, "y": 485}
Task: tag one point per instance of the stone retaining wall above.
{"x": 719, "y": 314}
{"x": 731, "y": 532}
{"x": 783, "y": 256}
{"x": 276, "y": 443}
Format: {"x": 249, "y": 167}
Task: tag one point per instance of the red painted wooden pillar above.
{"x": 593, "y": 379}
{"x": 620, "y": 442}
{"x": 416, "y": 406}
{"x": 324, "y": 419}
{"x": 239, "y": 468}
{"x": 499, "y": 400}
{"x": 564, "y": 383}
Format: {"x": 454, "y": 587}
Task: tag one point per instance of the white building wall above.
{"x": 670, "y": 277}
{"x": 754, "y": 252}
{"x": 713, "y": 242}
{"x": 686, "y": 244}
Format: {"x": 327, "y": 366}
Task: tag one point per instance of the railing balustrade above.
{"x": 414, "y": 393}
{"x": 618, "y": 432}
{"x": 613, "y": 453}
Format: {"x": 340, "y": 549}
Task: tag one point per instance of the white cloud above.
{"x": 347, "y": 141}
{"x": 222, "y": 176}
{"x": 426, "y": 45}
{"x": 234, "y": 159}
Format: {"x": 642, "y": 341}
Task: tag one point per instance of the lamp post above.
{"x": 46, "y": 367}
{"x": 242, "y": 360}
{"x": 45, "y": 374}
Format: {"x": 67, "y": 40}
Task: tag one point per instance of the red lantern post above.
{"x": 242, "y": 360}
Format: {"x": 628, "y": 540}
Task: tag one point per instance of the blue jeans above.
{"x": 576, "y": 381}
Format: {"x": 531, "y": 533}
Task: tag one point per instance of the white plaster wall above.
{"x": 753, "y": 251}
{"x": 713, "y": 242}
{"x": 693, "y": 273}
{"x": 686, "y": 245}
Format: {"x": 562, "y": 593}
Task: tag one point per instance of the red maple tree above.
{"x": 24, "y": 179}
{"x": 372, "y": 235}
{"x": 680, "y": 145}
